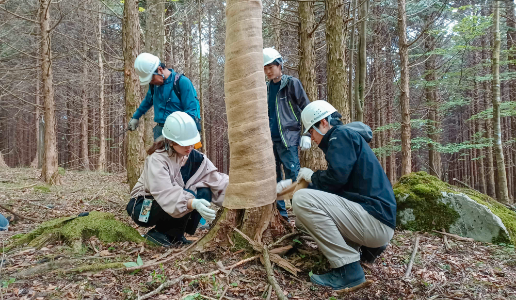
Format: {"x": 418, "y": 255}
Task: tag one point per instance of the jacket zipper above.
{"x": 279, "y": 120}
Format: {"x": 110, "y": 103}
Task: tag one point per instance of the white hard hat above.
{"x": 270, "y": 55}
{"x": 145, "y": 65}
{"x": 180, "y": 128}
{"x": 315, "y": 112}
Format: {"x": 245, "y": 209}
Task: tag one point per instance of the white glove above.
{"x": 282, "y": 185}
{"x": 201, "y": 205}
{"x": 306, "y": 143}
{"x": 133, "y": 124}
{"x": 306, "y": 174}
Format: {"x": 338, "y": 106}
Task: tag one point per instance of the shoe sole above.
{"x": 356, "y": 287}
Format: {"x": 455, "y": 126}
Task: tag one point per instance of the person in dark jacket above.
{"x": 348, "y": 205}
{"x": 286, "y": 98}
{"x": 168, "y": 92}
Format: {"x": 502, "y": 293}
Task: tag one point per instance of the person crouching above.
{"x": 177, "y": 185}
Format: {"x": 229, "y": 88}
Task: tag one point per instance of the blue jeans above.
{"x": 157, "y": 131}
{"x": 289, "y": 158}
{"x": 4, "y": 224}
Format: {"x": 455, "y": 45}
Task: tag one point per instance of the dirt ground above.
{"x": 469, "y": 270}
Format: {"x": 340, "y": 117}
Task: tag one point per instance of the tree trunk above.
{"x": 503, "y": 193}
{"x": 406, "y": 154}
{"x": 336, "y": 61}
{"x": 352, "y": 49}
{"x": 187, "y": 36}
{"x": 277, "y": 25}
{"x": 49, "y": 171}
{"x": 511, "y": 46}
{"x": 362, "y": 61}
{"x": 211, "y": 66}
{"x": 431, "y": 92}
{"x": 101, "y": 164}
{"x": 85, "y": 161}
{"x": 253, "y": 179}
{"x": 201, "y": 103}
{"x": 313, "y": 158}
{"x": 131, "y": 43}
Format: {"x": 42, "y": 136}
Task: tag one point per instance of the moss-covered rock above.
{"x": 426, "y": 203}
{"x": 74, "y": 230}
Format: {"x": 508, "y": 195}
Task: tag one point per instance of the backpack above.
{"x": 177, "y": 91}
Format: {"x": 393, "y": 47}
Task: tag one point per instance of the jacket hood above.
{"x": 362, "y": 129}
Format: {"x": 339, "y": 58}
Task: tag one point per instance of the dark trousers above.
{"x": 165, "y": 223}
{"x": 289, "y": 158}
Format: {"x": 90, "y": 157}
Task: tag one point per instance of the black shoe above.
{"x": 180, "y": 241}
{"x": 158, "y": 238}
{"x": 346, "y": 277}
{"x": 368, "y": 255}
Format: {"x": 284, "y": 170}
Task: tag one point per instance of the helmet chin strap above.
{"x": 317, "y": 129}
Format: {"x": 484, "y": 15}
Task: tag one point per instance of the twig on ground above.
{"x": 22, "y": 187}
{"x": 270, "y": 275}
{"x": 308, "y": 238}
{"x": 411, "y": 262}
{"x": 269, "y": 292}
{"x": 157, "y": 262}
{"x": 224, "y": 292}
{"x": 191, "y": 277}
{"x": 445, "y": 239}
{"x": 283, "y": 238}
{"x": 20, "y": 216}
{"x": 457, "y": 237}
{"x": 200, "y": 295}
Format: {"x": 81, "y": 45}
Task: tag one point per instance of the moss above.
{"x": 423, "y": 190}
{"x": 97, "y": 267}
{"x": 42, "y": 188}
{"x": 74, "y": 230}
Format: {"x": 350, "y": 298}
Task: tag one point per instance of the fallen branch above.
{"x": 457, "y": 237}
{"x": 155, "y": 263}
{"x": 191, "y": 277}
{"x": 411, "y": 262}
{"x": 269, "y": 292}
{"x": 270, "y": 275}
{"x": 20, "y": 216}
{"x": 224, "y": 292}
{"x": 445, "y": 239}
{"x": 283, "y": 238}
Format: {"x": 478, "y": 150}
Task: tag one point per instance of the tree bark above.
{"x": 406, "y": 154}
{"x": 277, "y": 25}
{"x": 131, "y": 43}
{"x": 201, "y": 103}
{"x": 489, "y": 162}
{"x": 432, "y": 95}
{"x": 503, "y": 194}
{"x": 352, "y": 49}
{"x": 101, "y": 164}
{"x": 336, "y": 61}
{"x": 49, "y": 171}
{"x": 511, "y": 46}
{"x": 362, "y": 61}
{"x": 313, "y": 158}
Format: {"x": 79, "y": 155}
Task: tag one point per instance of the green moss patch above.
{"x": 75, "y": 230}
{"x": 418, "y": 194}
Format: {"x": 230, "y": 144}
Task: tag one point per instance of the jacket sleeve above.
{"x": 169, "y": 195}
{"x": 340, "y": 163}
{"x": 299, "y": 96}
{"x": 144, "y": 106}
{"x": 188, "y": 99}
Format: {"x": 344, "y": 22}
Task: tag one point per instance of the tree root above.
{"x": 20, "y": 216}
{"x": 270, "y": 275}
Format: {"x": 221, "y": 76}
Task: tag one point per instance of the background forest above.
{"x": 421, "y": 74}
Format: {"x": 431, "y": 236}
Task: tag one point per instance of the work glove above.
{"x": 282, "y": 185}
{"x": 306, "y": 143}
{"x": 306, "y": 174}
{"x": 201, "y": 206}
{"x": 133, "y": 124}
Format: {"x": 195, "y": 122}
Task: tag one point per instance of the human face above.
{"x": 324, "y": 126}
{"x": 273, "y": 72}
{"x": 158, "y": 78}
{"x": 182, "y": 150}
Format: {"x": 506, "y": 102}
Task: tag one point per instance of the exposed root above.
{"x": 270, "y": 275}
{"x": 356, "y": 288}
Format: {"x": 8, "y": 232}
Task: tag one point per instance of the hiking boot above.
{"x": 345, "y": 277}
{"x": 157, "y": 238}
{"x": 368, "y": 255}
{"x": 180, "y": 241}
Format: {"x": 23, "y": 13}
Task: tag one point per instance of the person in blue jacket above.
{"x": 168, "y": 92}
{"x": 4, "y": 223}
{"x": 349, "y": 208}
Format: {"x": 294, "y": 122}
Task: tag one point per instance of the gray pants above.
{"x": 339, "y": 226}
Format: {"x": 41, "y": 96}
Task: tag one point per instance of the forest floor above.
{"x": 469, "y": 270}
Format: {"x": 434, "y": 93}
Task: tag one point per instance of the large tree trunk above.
{"x": 362, "y": 61}
{"x": 201, "y": 103}
{"x": 49, "y": 171}
{"x": 511, "y": 46}
{"x": 434, "y": 157}
{"x": 101, "y": 164}
{"x": 131, "y": 46}
{"x": 313, "y": 158}
{"x": 336, "y": 61}
{"x": 252, "y": 170}
{"x": 85, "y": 160}
{"x": 277, "y": 25}
{"x": 352, "y": 64}
{"x": 154, "y": 44}
{"x": 489, "y": 162}
{"x": 503, "y": 193}
{"x": 406, "y": 153}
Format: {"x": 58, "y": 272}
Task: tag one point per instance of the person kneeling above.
{"x": 351, "y": 204}
{"x": 177, "y": 185}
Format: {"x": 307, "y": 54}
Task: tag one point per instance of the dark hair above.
{"x": 158, "y": 145}
{"x": 274, "y": 63}
{"x": 335, "y": 120}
